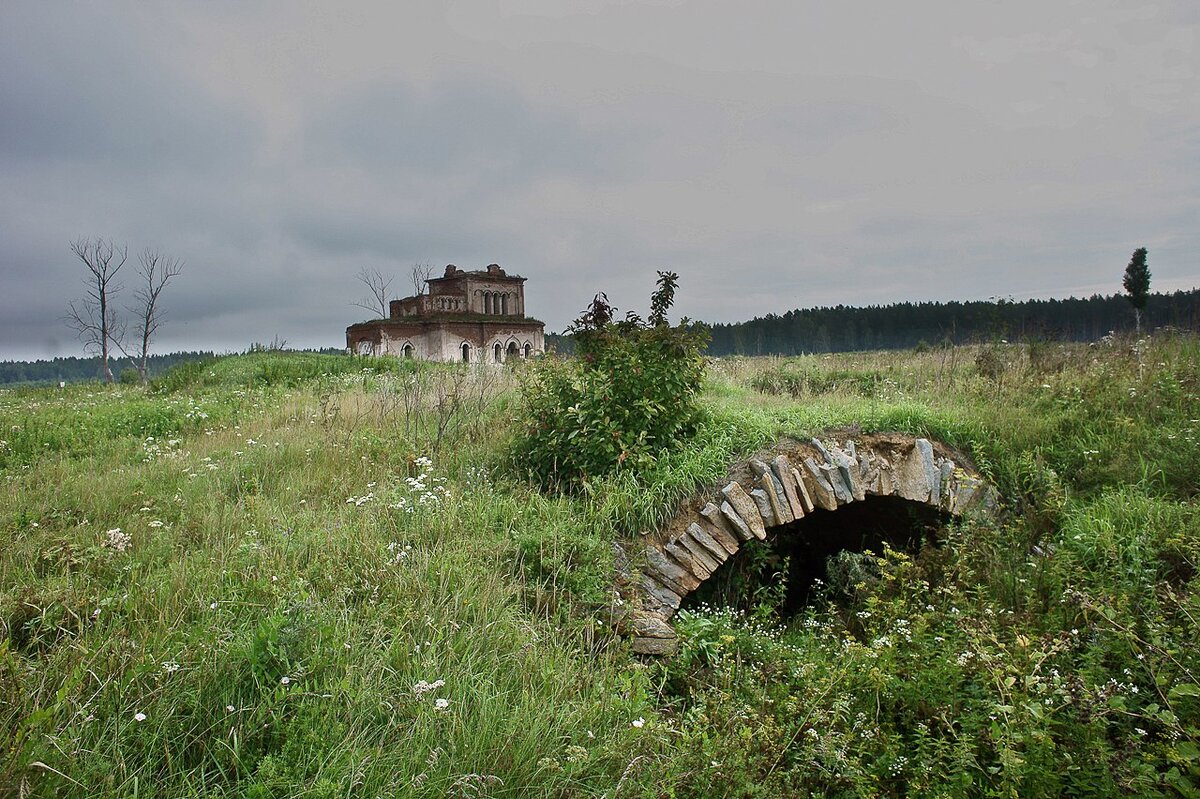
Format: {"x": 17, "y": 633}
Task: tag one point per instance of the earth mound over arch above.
{"x": 777, "y": 488}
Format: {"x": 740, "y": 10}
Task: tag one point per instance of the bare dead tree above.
{"x": 421, "y": 273}
{"x": 155, "y": 270}
{"x": 378, "y": 287}
{"x": 94, "y": 317}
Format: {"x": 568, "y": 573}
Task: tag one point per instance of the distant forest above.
{"x": 74, "y": 370}
{"x": 905, "y": 325}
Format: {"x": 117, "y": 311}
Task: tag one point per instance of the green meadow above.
{"x": 297, "y": 575}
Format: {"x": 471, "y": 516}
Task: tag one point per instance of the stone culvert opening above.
{"x": 793, "y": 564}
{"x": 811, "y": 499}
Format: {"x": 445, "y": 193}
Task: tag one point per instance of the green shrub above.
{"x": 628, "y": 396}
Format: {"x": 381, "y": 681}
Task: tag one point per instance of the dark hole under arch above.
{"x": 801, "y": 550}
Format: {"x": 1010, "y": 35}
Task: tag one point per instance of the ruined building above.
{"x": 478, "y": 317}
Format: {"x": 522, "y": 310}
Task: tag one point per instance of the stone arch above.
{"x": 365, "y": 347}
{"x": 408, "y": 350}
{"x": 774, "y": 490}
{"x": 512, "y": 350}
{"x": 498, "y": 352}
{"x": 465, "y": 349}
{"x": 527, "y": 350}
{"x": 504, "y": 304}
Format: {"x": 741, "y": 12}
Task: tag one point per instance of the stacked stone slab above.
{"x": 779, "y": 492}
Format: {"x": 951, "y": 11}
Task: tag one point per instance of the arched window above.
{"x": 512, "y": 349}
{"x": 498, "y": 352}
{"x": 487, "y": 302}
{"x": 504, "y": 304}
{"x": 528, "y": 350}
{"x": 408, "y": 350}
{"x": 466, "y": 352}
{"x": 365, "y": 347}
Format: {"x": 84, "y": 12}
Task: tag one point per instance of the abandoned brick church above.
{"x": 473, "y": 316}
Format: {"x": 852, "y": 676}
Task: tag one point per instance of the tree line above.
{"x": 844, "y": 328}
{"x": 903, "y": 325}
{"x": 74, "y": 370}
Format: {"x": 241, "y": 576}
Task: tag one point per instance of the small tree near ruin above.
{"x": 377, "y": 288}
{"x": 421, "y": 273}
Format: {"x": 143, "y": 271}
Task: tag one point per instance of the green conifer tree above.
{"x": 1137, "y": 284}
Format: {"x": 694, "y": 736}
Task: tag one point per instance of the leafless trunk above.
{"x": 94, "y": 317}
{"x": 421, "y": 273}
{"x": 378, "y": 286}
{"x": 155, "y": 271}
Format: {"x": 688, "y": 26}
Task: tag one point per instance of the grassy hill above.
{"x": 281, "y": 575}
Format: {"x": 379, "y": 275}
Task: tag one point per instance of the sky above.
{"x": 776, "y": 155}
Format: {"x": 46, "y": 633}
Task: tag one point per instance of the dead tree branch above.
{"x": 94, "y": 317}
{"x": 377, "y": 286}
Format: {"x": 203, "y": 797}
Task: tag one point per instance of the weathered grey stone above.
{"x": 698, "y": 552}
{"x": 671, "y": 574}
{"x": 779, "y": 501}
{"x": 834, "y": 477}
{"x": 947, "y": 473}
{"x": 932, "y": 473}
{"x": 805, "y": 497}
{"x": 766, "y": 485}
{"x": 783, "y": 473}
{"x": 847, "y": 470}
{"x": 688, "y": 561}
{"x": 712, "y": 513}
{"x": 673, "y": 585}
{"x": 737, "y": 522}
{"x": 659, "y": 595}
{"x": 654, "y": 646}
{"x": 741, "y": 502}
{"x": 822, "y": 491}
{"x": 621, "y": 569}
{"x": 964, "y": 493}
{"x": 913, "y": 479}
{"x": 887, "y": 478}
{"x": 721, "y": 535}
{"x": 764, "y": 507}
{"x": 821, "y": 448}
{"x": 758, "y": 467}
{"x": 648, "y": 625}
{"x": 869, "y": 465}
{"x": 708, "y": 542}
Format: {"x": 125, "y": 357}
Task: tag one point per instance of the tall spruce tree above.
{"x": 1137, "y": 284}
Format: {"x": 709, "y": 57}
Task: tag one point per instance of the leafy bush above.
{"x": 628, "y": 396}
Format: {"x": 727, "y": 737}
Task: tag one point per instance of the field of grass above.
{"x": 281, "y": 575}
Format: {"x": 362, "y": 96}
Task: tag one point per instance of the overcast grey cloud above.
{"x": 776, "y": 154}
